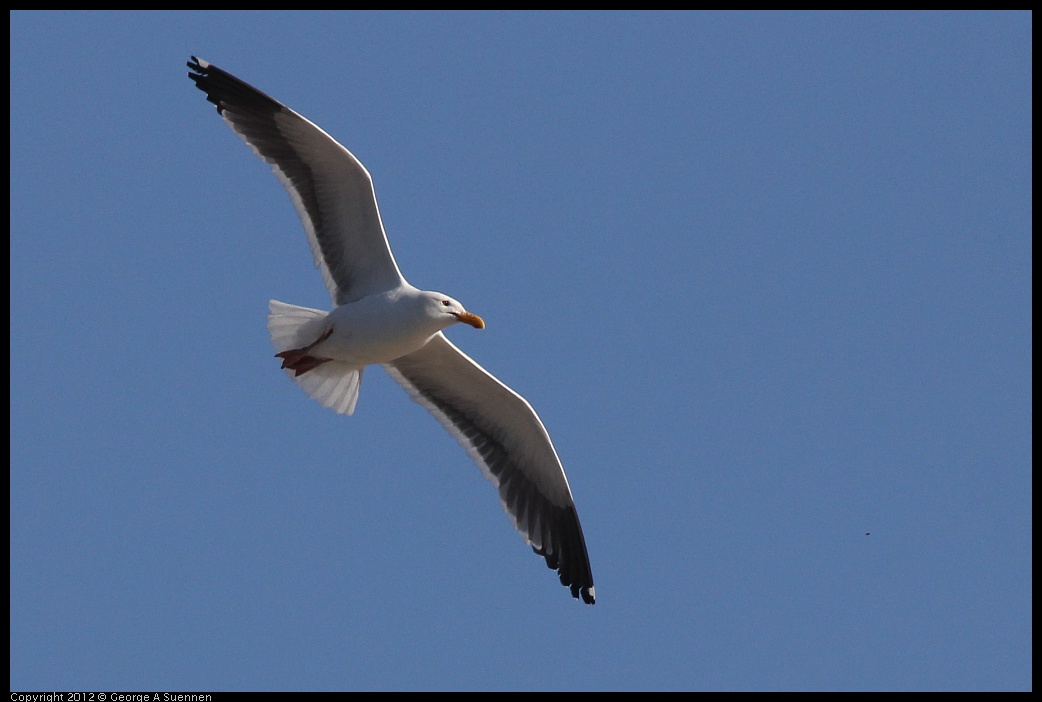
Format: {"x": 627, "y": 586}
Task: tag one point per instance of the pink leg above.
{"x": 300, "y": 361}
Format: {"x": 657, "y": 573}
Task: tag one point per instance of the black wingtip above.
{"x": 579, "y": 591}
{"x": 199, "y": 68}
{"x": 200, "y": 75}
{"x": 587, "y": 594}
{"x": 228, "y": 92}
{"x": 566, "y": 553}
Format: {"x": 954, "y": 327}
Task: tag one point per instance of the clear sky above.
{"x": 765, "y": 277}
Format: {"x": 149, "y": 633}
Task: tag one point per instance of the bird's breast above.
{"x": 374, "y": 331}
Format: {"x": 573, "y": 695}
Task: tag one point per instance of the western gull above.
{"x": 379, "y": 318}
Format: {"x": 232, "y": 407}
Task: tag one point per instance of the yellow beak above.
{"x": 471, "y": 319}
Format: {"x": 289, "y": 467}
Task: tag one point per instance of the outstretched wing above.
{"x": 331, "y": 190}
{"x": 504, "y": 436}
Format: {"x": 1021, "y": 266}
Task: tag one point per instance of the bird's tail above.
{"x": 334, "y": 384}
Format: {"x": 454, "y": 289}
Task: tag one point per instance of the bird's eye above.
{"x": 445, "y": 302}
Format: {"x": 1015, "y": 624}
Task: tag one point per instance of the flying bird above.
{"x": 379, "y": 318}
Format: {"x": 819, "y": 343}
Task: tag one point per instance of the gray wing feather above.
{"x": 504, "y": 436}
{"x": 330, "y": 189}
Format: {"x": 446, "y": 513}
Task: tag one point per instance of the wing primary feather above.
{"x": 548, "y": 522}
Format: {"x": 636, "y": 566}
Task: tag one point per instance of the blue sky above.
{"x": 765, "y": 277}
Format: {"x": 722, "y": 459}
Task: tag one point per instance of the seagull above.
{"x": 379, "y": 318}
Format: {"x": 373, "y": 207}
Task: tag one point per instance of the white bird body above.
{"x": 382, "y": 327}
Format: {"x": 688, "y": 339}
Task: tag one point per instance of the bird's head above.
{"x": 443, "y": 306}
